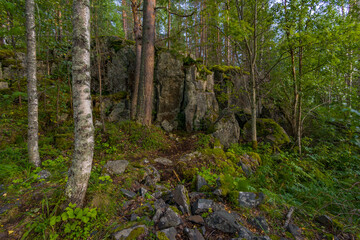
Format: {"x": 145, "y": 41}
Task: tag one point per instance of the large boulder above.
{"x": 268, "y": 131}
{"x": 200, "y": 104}
{"x": 227, "y": 129}
{"x": 116, "y": 167}
{"x": 169, "y": 85}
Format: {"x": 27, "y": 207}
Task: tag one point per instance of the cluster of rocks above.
{"x": 180, "y": 214}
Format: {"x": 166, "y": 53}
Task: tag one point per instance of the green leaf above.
{"x": 53, "y": 220}
{"x": 64, "y": 216}
{"x": 85, "y": 219}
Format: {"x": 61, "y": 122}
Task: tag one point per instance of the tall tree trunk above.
{"x": 84, "y": 130}
{"x": 124, "y": 18}
{"x": 137, "y": 34}
{"x": 169, "y": 24}
{"x": 147, "y": 63}
{"x": 227, "y": 40}
{"x": 33, "y": 124}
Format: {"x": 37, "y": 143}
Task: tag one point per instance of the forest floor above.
{"x": 322, "y": 186}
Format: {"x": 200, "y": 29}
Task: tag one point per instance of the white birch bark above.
{"x": 33, "y": 124}
{"x": 84, "y": 130}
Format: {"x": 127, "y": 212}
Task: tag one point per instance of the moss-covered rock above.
{"x": 6, "y": 53}
{"x": 267, "y": 130}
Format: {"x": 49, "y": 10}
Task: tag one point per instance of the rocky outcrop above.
{"x": 169, "y": 84}
{"x": 200, "y": 104}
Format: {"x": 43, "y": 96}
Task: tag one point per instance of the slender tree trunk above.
{"x": 169, "y": 24}
{"x": 33, "y": 124}
{"x": 227, "y": 40}
{"x": 137, "y": 34}
{"x": 253, "y": 80}
{"x": 124, "y": 18}
{"x": 147, "y": 63}
{"x": 84, "y": 130}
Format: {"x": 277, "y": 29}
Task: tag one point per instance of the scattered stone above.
{"x": 218, "y": 192}
{"x": 226, "y": 222}
{"x": 190, "y": 156}
{"x": 168, "y": 127}
{"x": 193, "y": 234}
{"x": 181, "y": 197}
{"x": 44, "y": 174}
{"x": 196, "y": 195}
{"x": 200, "y": 183}
{"x": 295, "y": 231}
{"x": 98, "y": 124}
{"x": 202, "y": 206}
{"x": 168, "y": 197}
{"x": 169, "y": 219}
{"x": 260, "y": 223}
{"x": 164, "y": 161}
{"x": 4, "y": 85}
{"x": 131, "y": 233}
{"x": 127, "y": 193}
{"x": 250, "y": 199}
{"x": 5, "y": 208}
{"x": 261, "y": 238}
{"x": 142, "y": 192}
{"x": 116, "y": 167}
{"x": 160, "y": 204}
{"x": 152, "y": 176}
{"x": 196, "y": 219}
{"x": 170, "y": 233}
{"x": 325, "y": 221}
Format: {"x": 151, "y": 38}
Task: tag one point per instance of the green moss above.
{"x": 9, "y": 61}
{"x": 188, "y": 61}
{"x": 226, "y": 69}
{"x": 137, "y": 232}
{"x": 161, "y": 236}
{"x": 175, "y": 209}
{"x": 268, "y": 130}
{"x": 205, "y": 188}
{"x": 186, "y": 172}
{"x": 203, "y": 70}
{"x": 6, "y": 53}
{"x": 118, "y": 43}
{"x": 64, "y": 141}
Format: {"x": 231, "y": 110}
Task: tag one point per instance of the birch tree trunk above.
{"x": 33, "y": 124}
{"x": 147, "y": 64}
{"x": 84, "y": 130}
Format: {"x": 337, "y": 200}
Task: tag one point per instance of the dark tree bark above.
{"x": 84, "y": 130}
{"x": 147, "y": 64}
{"x": 33, "y": 125}
{"x": 137, "y": 33}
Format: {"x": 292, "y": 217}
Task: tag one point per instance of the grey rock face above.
{"x": 116, "y": 167}
{"x": 227, "y": 129}
{"x": 227, "y": 223}
{"x": 169, "y": 85}
{"x": 181, "y": 197}
{"x": 170, "y": 233}
{"x": 44, "y": 174}
{"x": 202, "y": 206}
{"x": 169, "y": 219}
{"x": 193, "y": 234}
{"x": 196, "y": 219}
{"x": 250, "y": 199}
{"x": 200, "y": 104}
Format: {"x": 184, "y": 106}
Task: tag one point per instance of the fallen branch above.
{"x": 288, "y": 217}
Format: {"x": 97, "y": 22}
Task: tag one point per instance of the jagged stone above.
{"x": 250, "y": 199}
{"x": 226, "y": 222}
{"x": 227, "y": 129}
{"x": 193, "y": 234}
{"x": 202, "y": 206}
{"x": 260, "y": 223}
{"x": 142, "y": 192}
{"x": 169, "y": 219}
{"x": 4, "y": 85}
{"x": 295, "y": 231}
{"x": 181, "y": 197}
{"x": 131, "y": 233}
{"x": 152, "y": 176}
{"x": 116, "y": 167}
{"x": 170, "y": 233}
{"x": 120, "y": 112}
{"x": 196, "y": 219}
{"x": 163, "y": 161}
{"x": 127, "y": 193}
{"x": 200, "y": 182}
